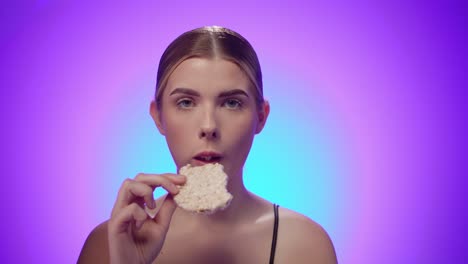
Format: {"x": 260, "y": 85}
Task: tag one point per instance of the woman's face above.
{"x": 208, "y": 114}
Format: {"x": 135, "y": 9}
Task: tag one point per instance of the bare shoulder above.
{"x": 95, "y": 248}
{"x": 301, "y": 240}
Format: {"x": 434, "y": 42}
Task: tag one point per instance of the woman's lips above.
{"x": 201, "y": 162}
{"x": 205, "y": 157}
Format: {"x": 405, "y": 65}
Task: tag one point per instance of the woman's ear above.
{"x": 156, "y": 115}
{"x": 263, "y": 116}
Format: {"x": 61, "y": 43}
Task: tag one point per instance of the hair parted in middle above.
{"x": 210, "y": 42}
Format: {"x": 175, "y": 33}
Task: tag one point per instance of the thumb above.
{"x": 164, "y": 215}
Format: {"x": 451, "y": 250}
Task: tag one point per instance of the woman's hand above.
{"x": 133, "y": 236}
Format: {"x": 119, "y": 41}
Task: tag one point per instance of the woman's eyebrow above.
{"x": 192, "y": 92}
{"x": 185, "y": 91}
{"x": 233, "y": 92}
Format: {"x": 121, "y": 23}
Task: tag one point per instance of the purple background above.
{"x": 366, "y": 135}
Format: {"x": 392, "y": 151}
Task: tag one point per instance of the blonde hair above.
{"x": 210, "y": 42}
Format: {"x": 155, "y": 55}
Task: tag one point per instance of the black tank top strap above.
{"x": 275, "y": 234}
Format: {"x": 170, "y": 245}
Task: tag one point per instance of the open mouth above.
{"x": 208, "y": 157}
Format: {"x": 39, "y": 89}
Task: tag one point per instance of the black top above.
{"x": 275, "y": 234}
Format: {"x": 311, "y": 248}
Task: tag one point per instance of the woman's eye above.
{"x": 233, "y": 104}
{"x": 185, "y": 103}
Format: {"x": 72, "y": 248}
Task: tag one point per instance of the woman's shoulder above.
{"x": 96, "y": 246}
{"x": 292, "y": 219}
{"x": 300, "y": 240}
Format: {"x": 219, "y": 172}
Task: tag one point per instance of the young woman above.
{"x": 208, "y": 104}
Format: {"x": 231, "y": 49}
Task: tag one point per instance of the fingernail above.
{"x": 153, "y": 204}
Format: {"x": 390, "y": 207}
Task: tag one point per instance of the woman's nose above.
{"x": 209, "y": 134}
{"x": 208, "y": 127}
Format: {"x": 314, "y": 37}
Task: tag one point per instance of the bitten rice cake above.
{"x": 205, "y": 189}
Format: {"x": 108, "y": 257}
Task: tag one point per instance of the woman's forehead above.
{"x": 208, "y": 74}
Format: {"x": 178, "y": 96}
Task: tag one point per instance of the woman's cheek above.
{"x": 177, "y": 133}
{"x": 176, "y": 120}
{"x": 241, "y": 132}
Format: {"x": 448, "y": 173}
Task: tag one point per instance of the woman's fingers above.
{"x": 167, "y": 181}
{"x": 131, "y": 233}
{"x": 132, "y": 191}
{"x": 142, "y": 188}
{"x": 164, "y": 215}
{"x": 120, "y": 222}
